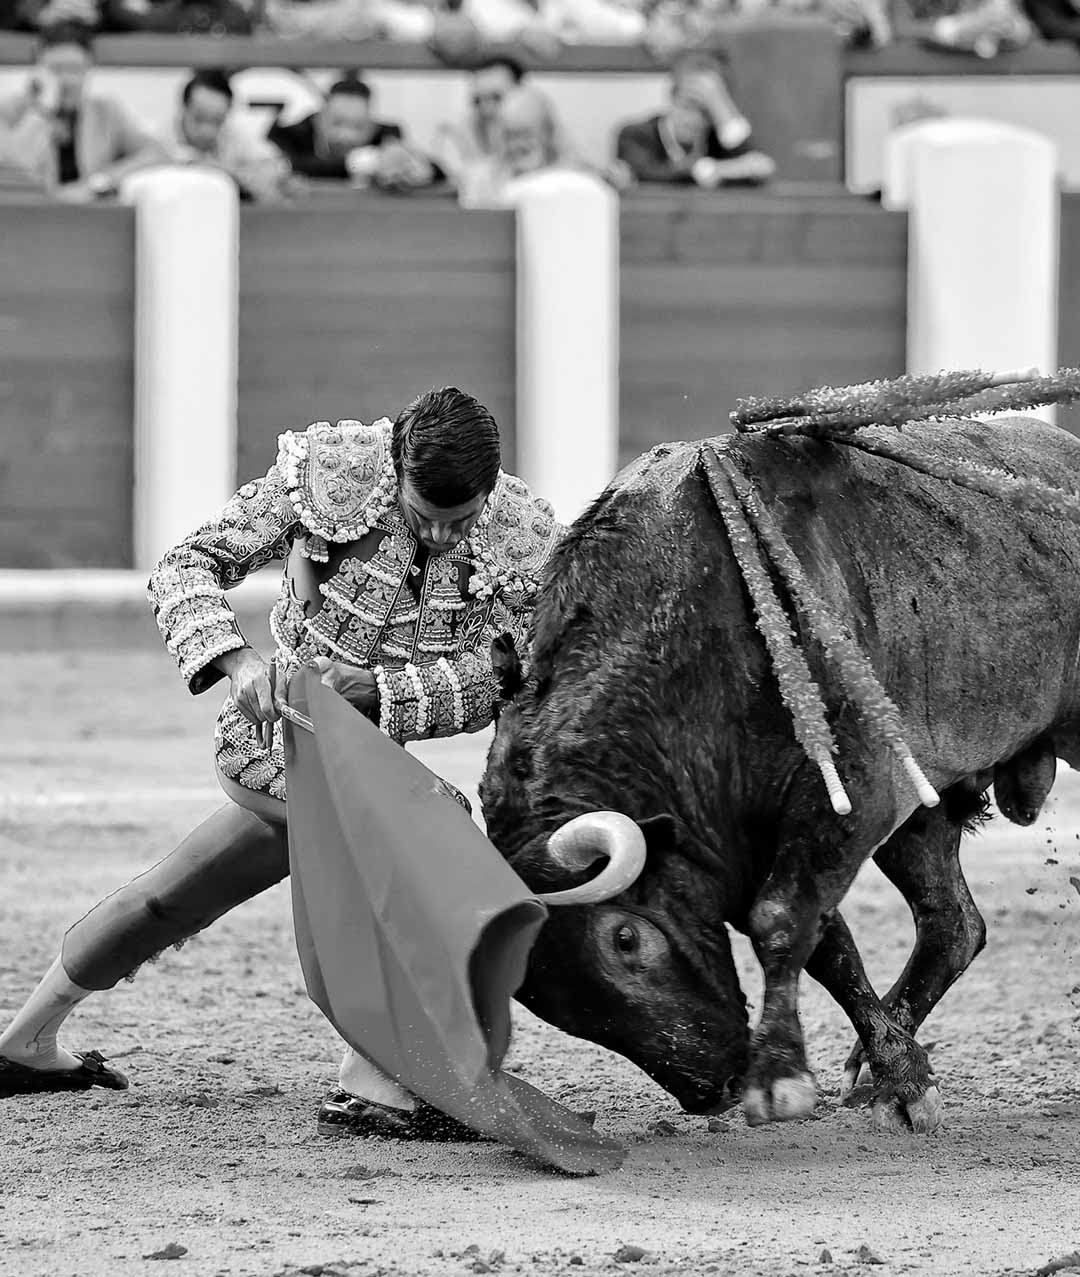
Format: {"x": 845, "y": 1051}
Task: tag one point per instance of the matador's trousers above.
{"x": 229, "y": 858}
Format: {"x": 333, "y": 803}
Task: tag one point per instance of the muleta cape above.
{"x": 413, "y": 932}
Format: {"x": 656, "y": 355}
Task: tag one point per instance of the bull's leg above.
{"x": 816, "y": 863}
{"x": 906, "y": 1097}
{"x": 922, "y": 860}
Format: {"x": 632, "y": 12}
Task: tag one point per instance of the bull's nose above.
{"x": 707, "y": 1102}
{"x": 730, "y": 1095}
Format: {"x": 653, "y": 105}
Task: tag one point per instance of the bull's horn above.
{"x": 583, "y": 840}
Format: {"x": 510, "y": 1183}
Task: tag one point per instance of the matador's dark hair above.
{"x": 446, "y": 444}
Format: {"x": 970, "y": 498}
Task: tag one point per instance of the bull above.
{"x": 649, "y": 733}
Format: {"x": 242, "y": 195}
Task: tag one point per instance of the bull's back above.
{"x": 966, "y": 604}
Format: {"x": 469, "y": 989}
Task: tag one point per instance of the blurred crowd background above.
{"x": 542, "y": 26}
{"x": 60, "y": 138}
{"x": 64, "y": 134}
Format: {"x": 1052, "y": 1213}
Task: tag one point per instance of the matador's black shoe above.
{"x": 20, "y": 1079}
{"x": 344, "y": 1114}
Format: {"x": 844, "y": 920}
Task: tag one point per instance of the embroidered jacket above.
{"x": 425, "y": 631}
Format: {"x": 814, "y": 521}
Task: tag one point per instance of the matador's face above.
{"x": 438, "y": 528}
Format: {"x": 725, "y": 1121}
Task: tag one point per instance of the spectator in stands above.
{"x": 343, "y": 141}
{"x": 701, "y": 138}
{"x": 459, "y": 146}
{"x": 205, "y": 132}
{"x": 440, "y": 23}
{"x": 1055, "y": 19}
{"x": 180, "y": 17}
{"x": 472, "y": 153}
{"x": 988, "y": 28}
{"x": 72, "y": 142}
{"x": 981, "y": 27}
{"x": 525, "y": 139}
{"x": 543, "y": 25}
{"x": 861, "y": 24}
{"x": 40, "y": 15}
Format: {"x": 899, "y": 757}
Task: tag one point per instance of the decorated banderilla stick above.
{"x": 798, "y": 690}
{"x": 853, "y": 667}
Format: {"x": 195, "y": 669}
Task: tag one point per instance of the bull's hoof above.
{"x": 888, "y": 1112}
{"x": 923, "y": 1116}
{"x": 857, "y": 1084}
{"x": 788, "y": 1099}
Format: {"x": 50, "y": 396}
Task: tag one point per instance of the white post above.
{"x": 185, "y": 352}
{"x": 982, "y": 201}
{"x": 567, "y": 336}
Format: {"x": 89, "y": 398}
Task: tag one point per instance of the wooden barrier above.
{"x": 751, "y": 294}
{"x": 350, "y": 307}
{"x": 67, "y": 279}
{"x": 1069, "y": 301}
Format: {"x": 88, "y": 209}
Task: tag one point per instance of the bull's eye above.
{"x": 626, "y": 939}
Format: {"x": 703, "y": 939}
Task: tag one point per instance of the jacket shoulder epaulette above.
{"x": 519, "y": 533}
{"x": 335, "y": 475}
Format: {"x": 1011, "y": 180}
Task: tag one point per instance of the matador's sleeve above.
{"x": 187, "y": 588}
{"x": 450, "y": 696}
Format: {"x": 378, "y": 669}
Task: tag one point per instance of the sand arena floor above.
{"x": 212, "y": 1156}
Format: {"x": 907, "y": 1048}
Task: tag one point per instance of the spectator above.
{"x": 74, "y": 143}
{"x": 991, "y": 27}
{"x": 204, "y": 132}
{"x": 861, "y": 24}
{"x": 543, "y": 25}
{"x": 468, "y": 151}
{"x": 701, "y": 138}
{"x": 459, "y": 146}
{"x": 179, "y": 17}
{"x": 525, "y": 139}
{"x": 40, "y": 15}
{"x": 439, "y": 22}
{"x": 343, "y": 141}
{"x": 675, "y": 25}
{"x": 1055, "y": 19}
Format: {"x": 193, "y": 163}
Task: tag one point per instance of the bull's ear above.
{"x": 507, "y": 666}
{"x": 661, "y": 832}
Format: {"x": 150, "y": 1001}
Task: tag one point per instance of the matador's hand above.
{"x": 252, "y": 689}
{"x": 357, "y": 685}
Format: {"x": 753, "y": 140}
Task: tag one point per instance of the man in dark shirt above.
{"x": 344, "y": 142}
{"x": 701, "y": 138}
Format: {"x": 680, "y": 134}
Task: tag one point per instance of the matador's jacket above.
{"x": 357, "y": 588}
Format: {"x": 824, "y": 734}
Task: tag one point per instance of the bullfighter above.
{"x": 409, "y": 552}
